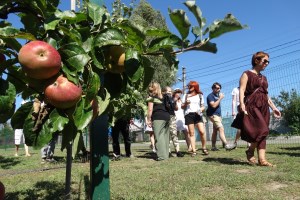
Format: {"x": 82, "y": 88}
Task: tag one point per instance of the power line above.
{"x": 283, "y": 44}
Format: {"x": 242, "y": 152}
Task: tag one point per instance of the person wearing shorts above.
{"x": 20, "y": 139}
{"x": 193, "y": 105}
{"x": 214, "y": 114}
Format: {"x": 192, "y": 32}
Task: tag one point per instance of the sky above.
{"x": 273, "y": 27}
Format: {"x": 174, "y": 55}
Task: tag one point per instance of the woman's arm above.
{"x": 243, "y": 84}
{"x": 149, "y": 114}
{"x": 277, "y": 113}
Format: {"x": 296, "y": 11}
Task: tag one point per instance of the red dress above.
{"x": 255, "y": 126}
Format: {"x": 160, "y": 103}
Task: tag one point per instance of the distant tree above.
{"x": 148, "y": 18}
{"x": 289, "y": 104}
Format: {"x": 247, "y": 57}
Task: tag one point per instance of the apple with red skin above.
{"x": 39, "y": 60}
{"x": 62, "y": 93}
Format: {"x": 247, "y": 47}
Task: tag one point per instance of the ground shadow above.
{"x": 8, "y": 162}
{"x": 290, "y": 148}
{"x": 42, "y": 190}
{"x": 227, "y": 161}
{"x": 148, "y": 155}
{"x": 292, "y": 154}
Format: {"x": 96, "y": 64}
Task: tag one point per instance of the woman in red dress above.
{"x": 254, "y": 104}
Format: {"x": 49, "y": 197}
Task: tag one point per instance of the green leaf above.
{"x": 58, "y": 120}
{"x": 196, "y": 11}
{"x": 181, "y": 22}
{"x": 93, "y": 86}
{"x": 148, "y": 71}
{"x": 228, "y": 24}
{"x": 135, "y": 33}
{"x": 103, "y": 102}
{"x": 207, "y": 47}
{"x": 164, "y": 43}
{"x": 197, "y": 31}
{"x": 82, "y": 115}
{"x": 51, "y": 24}
{"x": 7, "y": 100}
{"x": 68, "y": 134}
{"x": 11, "y": 32}
{"x": 132, "y": 65}
{"x": 30, "y": 136}
{"x": 158, "y": 33}
{"x": 96, "y": 13}
{"x": 109, "y": 37}
{"x": 18, "y": 119}
{"x": 74, "y": 56}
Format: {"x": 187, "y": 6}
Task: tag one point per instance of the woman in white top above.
{"x": 179, "y": 113}
{"x": 193, "y": 104}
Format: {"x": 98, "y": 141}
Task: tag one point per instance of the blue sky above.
{"x": 273, "y": 27}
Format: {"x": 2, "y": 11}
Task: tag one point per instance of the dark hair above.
{"x": 196, "y": 86}
{"x": 215, "y": 84}
{"x": 258, "y": 56}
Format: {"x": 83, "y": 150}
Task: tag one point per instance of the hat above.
{"x": 176, "y": 90}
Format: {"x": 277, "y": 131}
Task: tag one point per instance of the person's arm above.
{"x": 243, "y": 83}
{"x": 215, "y": 104}
{"x": 202, "y": 107}
{"x": 149, "y": 114}
{"x": 233, "y": 104}
{"x": 185, "y": 101}
{"x": 277, "y": 113}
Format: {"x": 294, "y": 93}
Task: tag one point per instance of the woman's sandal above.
{"x": 205, "y": 151}
{"x": 265, "y": 163}
{"x": 250, "y": 157}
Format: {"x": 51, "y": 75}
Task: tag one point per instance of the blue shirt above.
{"x": 210, "y": 110}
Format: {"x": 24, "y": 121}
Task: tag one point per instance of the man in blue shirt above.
{"x": 214, "y": 114}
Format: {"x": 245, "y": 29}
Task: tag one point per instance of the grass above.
{"x": 220, "y": 175}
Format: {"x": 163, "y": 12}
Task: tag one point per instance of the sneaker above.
{"x": 179, "y": 154}
{"x": 116, "y": 157}
{"x": 130, "y": 156}
{"x": 50, "y": 160}
{"x": 230, "y": 147}
{"x": 215, "y": 149}
{"x": 16, "y": 155}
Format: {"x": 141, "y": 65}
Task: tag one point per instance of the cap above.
{"x": 177, "y": 90}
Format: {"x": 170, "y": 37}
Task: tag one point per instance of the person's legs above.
{"x": 173, "y": 133}
{"x": 261, "y": 151}
{"x": 162, "y": 134}
{"x": 17, "y": 150}
{"x": 187, "y": 139}
{"x": 200, "y": 127}
{"x": 115, "y": 139}
{"x": 191, "y": 128}
{"x": 127, "y": 139}
{"x": 214, "y": 139}
{"x": 152, "y": 141}
{"x": 26, "y": 150}
{"x": 222, "y": 135}
{"x": 250, "y": 153}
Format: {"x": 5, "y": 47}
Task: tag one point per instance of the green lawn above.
{"x": 220, "y": 175}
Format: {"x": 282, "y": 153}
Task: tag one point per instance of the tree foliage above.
{"x": 83, "y": 39}
{"x": 289, "y": 104}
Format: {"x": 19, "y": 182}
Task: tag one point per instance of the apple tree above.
{"x": 104, "y": 55}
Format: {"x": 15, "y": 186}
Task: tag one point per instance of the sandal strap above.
{"x": 265, "y": 163}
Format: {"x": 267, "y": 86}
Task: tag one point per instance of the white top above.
{"x": 194, "y": 106}
{"x": 235, "y": 92}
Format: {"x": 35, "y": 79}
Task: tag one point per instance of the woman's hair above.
{"x": 154, "y": 89}
{"x": 165, "y": 89}
{"x": 257, "y": 57}
{"x": 215, "y": 84}
{"x": 196, "y": 86}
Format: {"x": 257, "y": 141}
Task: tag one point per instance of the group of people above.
{"x": 251, "y": 121}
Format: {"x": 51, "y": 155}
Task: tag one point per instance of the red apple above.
{"x": 62, "y": 93}
{"x": 2, "y": 191}
{"x": 39, "y": 60}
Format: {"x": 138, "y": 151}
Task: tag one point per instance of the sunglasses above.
{"x": 217, "y": 88}
{"x": 265, "y": 61}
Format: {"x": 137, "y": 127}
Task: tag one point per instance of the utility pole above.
{"x": 183, "y": 80}
{"x": 73, "y": 5}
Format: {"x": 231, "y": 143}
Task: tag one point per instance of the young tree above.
{"x": 289, "y": 103}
